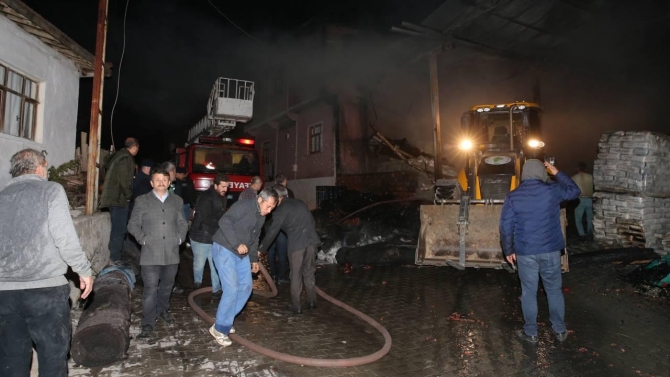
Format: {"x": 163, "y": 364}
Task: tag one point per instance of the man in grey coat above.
{"x": 294, "y": 218}
{"x": 235, "y": 255}
{"x": 39, "y": 242}
{"x": 158, "y": 224}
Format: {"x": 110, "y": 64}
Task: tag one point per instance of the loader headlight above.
{"x": 465, "y": 145}
{"x": 535, "y": 143}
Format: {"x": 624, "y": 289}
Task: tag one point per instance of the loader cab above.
{"x": 496, "y": 140}
{"x": 504, "y": 127}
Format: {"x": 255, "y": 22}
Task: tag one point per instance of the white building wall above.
{"x": 305, "y": 189}
{"x": 58, "y": 78}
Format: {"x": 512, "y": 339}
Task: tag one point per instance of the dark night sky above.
{"x": 175, "y": 49}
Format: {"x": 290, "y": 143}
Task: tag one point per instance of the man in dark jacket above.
{"x": 294, "y": 218}
{"x": 209, "y": 209}
{"x": 186, "y": 190}
{"x": 117, "y": 192}
{"x": 531, "y": 236}
{"x": 158, "y": 225}
{"x": 235, "y": 255}
{"x": 142, "y": 181}
{"x": 277, "y": 253}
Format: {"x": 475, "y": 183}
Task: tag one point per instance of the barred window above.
{"x": 18, "y": 104}
{"x": 315, "y": 138}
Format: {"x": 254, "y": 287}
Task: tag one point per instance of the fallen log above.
{"x": 102, "y": 336}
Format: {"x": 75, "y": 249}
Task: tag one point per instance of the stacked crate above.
{"x": 632, "y": 182}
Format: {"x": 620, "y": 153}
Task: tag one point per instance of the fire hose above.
{"x": 350, "y": 362}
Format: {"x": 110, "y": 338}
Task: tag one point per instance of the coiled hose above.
{"x": 354, "y": 361}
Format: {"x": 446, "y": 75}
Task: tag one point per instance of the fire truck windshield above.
{"x": 225, "y": 159}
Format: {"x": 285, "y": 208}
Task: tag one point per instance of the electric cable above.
{"x": 118, "y": 82}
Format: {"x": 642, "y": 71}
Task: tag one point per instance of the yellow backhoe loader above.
{"x": 461, "y": 228}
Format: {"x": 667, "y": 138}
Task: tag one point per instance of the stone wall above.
{"x": 93, "y": 232}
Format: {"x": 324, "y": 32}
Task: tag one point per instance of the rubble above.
{"x": 633, "y": 163}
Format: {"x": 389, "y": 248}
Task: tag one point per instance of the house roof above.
{"x": 30, "y": 21}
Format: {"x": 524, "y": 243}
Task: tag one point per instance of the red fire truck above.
{"x": 215, "y": 145}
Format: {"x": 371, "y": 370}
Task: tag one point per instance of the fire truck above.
{"x": 215, "y": 145}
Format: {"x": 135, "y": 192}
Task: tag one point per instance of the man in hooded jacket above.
{"x": 531, "y": 236}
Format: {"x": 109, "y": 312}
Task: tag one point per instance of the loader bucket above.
{"x": 439, "y": 239}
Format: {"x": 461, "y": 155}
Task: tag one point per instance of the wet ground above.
{"x": 443, "y": 322}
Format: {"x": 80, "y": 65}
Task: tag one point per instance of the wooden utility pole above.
{"x": 96, "y": 111}
{"x": 435, "y": 104}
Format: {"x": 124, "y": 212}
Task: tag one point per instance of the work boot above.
{"x": 528, "y": 338}
{"x": 311, "y": 305}
{"x": 167, "y": 317}
{"x": 177, "y": 289}
{"x": 294, "y": 310}
{"x": 562, "y": 336}
{"x": 146, "y": 332}
{"x": 197, "y": 286}
{"x": 284, "y": 281}
{"x": 217, "y": 294}
{"x": 220, "y": 338}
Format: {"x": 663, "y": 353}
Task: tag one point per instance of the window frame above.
{"x": 312, "y": 136}
{"x": 30, "y": 99}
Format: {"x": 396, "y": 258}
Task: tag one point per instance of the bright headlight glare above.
{"x": 487, "y": 109}
{"x": 521, "y": 107}
{"x": 480, "y": 110}
{"x": 465, "y": 145}
{"x": 535, "y": 144}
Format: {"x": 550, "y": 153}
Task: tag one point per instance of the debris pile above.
{"x": 384, "y": 233}
{"x": 652, "y": 279}
{"x": 632, "y": 202}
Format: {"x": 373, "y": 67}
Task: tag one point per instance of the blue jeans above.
{"x": 548, "y": 267}
{"x": 278, "y": 250}
{"x": 187, "y": 211}
{"x": 40, "y": 316}
{"x": 158, "y": 282}
{"x": 235, "y": 274}
{"x": 202, "y": 253}
{"x": 585, "y": 207}
{"x": 119, "y": 217}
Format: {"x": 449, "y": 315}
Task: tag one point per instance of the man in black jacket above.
{"x": 209, "y": 209}
{"x": 235, "y": 255}
{"x": 185, "y": 189}
{"x": 294, "y": 218}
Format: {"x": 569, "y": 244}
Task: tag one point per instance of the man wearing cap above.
{"x": 531, "y": 236}
{"x": 142, "y": 181}
{"x": 185, "y": 189}
{"x": 117, "y": 192}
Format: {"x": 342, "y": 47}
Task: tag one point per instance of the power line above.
{"x": 118, "y": 82}
{"x": 234, "y": 24}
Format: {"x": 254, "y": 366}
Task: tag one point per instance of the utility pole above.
{"x": 435, "y": 104}
{"x": 96, "y": 111}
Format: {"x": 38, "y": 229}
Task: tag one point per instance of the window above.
{"x": 18, "y": 104}
{"x": 315, "y": 138}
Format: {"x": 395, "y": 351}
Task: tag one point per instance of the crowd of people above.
{"x": 158, "y": 204}
{"x": 155, "y": 203}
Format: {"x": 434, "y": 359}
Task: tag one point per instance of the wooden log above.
{"x": 102, "y": 336}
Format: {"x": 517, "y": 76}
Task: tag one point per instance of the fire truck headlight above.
{"x": 465, "y": 145}
{"x": 535, "y": 143}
